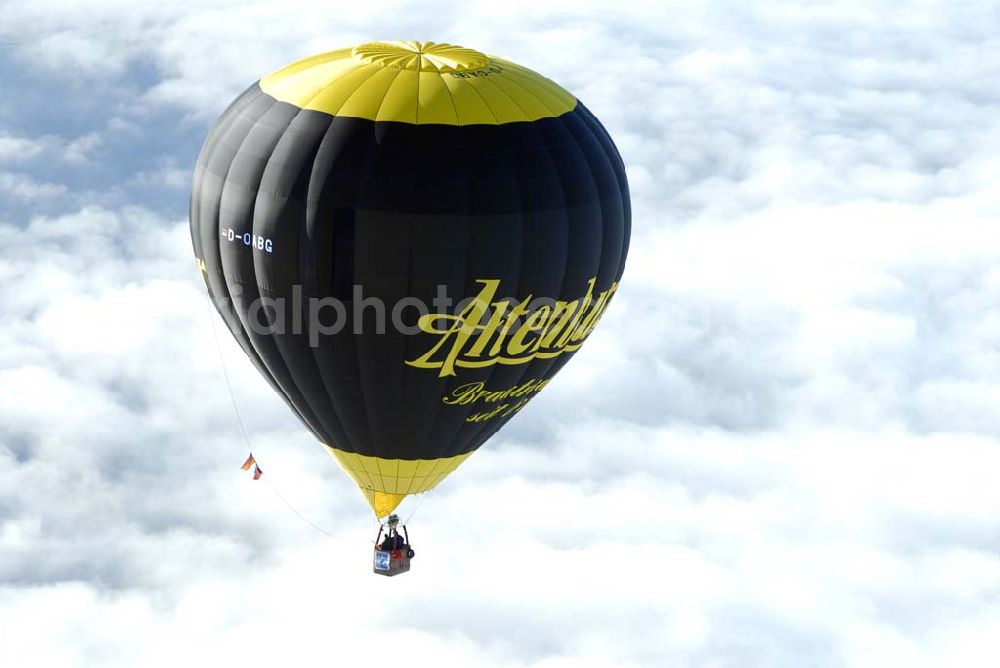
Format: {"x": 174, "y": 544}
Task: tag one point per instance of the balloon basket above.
{"x": 391, "y": 562}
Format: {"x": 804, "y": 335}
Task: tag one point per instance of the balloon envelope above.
{"x": 408, "y": 240}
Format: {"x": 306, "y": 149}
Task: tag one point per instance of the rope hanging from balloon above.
{"x": 243, "y": 430}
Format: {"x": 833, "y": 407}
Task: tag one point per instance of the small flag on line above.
{"x": 257, "y": 473}
{"x": 248, "y": 463}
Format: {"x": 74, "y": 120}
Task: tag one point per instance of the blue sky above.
{"x": 778, "y": 449}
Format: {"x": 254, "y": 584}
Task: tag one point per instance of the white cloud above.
{"x": 22, "y": 187}
{"x": 21, "y": 149}
{"x": 778, "y": 448}
{"x": 14, "y": 148}
{"x": 175, "y": 178}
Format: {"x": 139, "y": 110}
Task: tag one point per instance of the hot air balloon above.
{"x": 408, "y": 240}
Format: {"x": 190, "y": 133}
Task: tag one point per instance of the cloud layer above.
{"x": 777, "y": 449}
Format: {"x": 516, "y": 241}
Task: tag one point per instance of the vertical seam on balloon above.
{"x": 437, "y": 410}
{"x": 292, "y": 374}
{"x": 521, "y": 79}
{"x": 485, "y": 101}
{"x": 437, "y": 462}
{"x": 429, "y": 430}
{"x": 231, "y": 112}
{"x": 315, "y": 281}
{"x": 253, "y": 260}
{"x": 408, "y": 340}
{"x": 475, "y": 434}
{"x": 333, "y": 82}
{"x": 409, "y": 480}
{"x": 416, "y": 97}
{"x": 365, "y": 163}
{"x": 439, "y": 405}
{"x": 549, "y": 364}
{"x": 444, "y": 82}
{"x": 604, "y": 217}
{"x": 238, "y": 320}
{"x": 378, "y": 465}
{"x": 374, "y": 71}
{"x": 221, "y": 125}
{"x": 308, "y": 62}
{"x": 614, "y": 160}
{"x": 361, "y": 367}
{"x": 556, "y": 361}
{"x": 469, "y": 278}
{"x": 488, "y": 429}
{"x": 446, "y": 448}
{"x": 545, "y": 90}
{"x": 496, "y": 86}
{"x": 599, "y": 134}
{"x": 305, "y": 417}
{"x": 385, "y": 94}
{"x": 532, "y": 365}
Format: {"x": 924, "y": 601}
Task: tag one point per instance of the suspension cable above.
{"x": 243, "y": 429}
